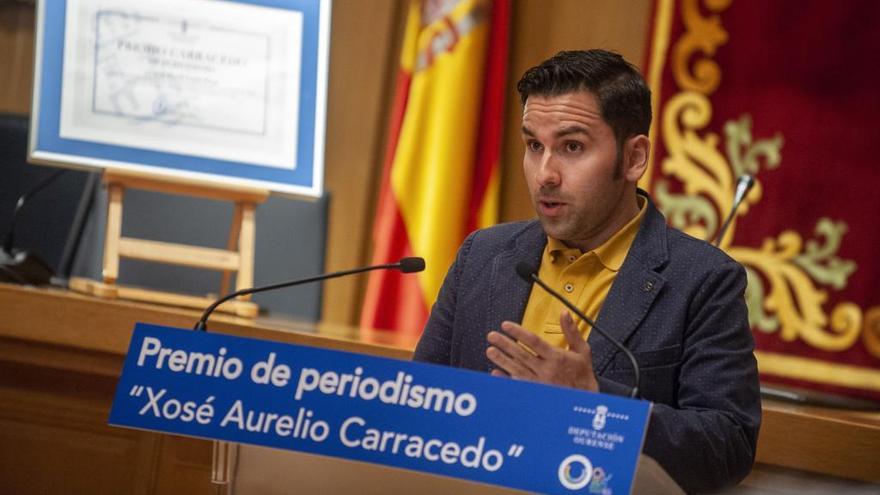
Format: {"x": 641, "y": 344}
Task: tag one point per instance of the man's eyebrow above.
{"x": 572, "y": 129}
{"x": 565, "y": 131}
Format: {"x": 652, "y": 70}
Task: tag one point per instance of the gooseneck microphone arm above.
{"x": 743, "y": 185}
{"x": 405, "y": 265}
{"x": 528, "y": 273}
{"x": 9, "y": 240}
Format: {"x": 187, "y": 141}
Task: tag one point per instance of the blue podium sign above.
{"x": 409, "y": 415}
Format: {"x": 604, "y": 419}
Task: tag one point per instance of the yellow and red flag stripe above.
{"x": 440, "y": 177}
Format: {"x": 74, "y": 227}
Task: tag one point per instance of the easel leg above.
{"x": 114, "y": 232}
{"x": 245, "y": 276}
{"x": 232, "y": 245}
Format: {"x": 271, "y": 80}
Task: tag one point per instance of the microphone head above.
{"x": 412, "y": 265}
{"x": 743, "y": 186}
{"x": 525, "y": 270}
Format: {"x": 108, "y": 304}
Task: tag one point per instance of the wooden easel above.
{"x": 237, "y": 257}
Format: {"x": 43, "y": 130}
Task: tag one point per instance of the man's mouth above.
{"x": 549, "y": 207}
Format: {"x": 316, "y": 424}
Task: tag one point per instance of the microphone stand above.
{"x": 224, "y": 452}
{"x": 405, "y": 265}
{"x": 528, "y": 273}
{"x": 25, "y": 267}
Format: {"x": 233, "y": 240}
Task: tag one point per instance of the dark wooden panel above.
{"x": 54, "y": 438}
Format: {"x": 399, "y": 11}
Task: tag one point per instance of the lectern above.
{"x": 264, "y": 471}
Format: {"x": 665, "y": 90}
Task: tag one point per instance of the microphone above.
{"x": 25, "y": 267}
{"x": 527, "y": 273}
{"x": 743, "y": 186}
{"x": 405, "y": 265}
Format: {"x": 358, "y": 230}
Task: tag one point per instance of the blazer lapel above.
{"x": 508, "y": 292}
{"x": 634, "y": 289}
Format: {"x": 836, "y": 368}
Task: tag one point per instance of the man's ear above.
{"x": 636, "y": 152}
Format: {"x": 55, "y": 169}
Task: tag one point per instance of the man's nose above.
{"x": 547, "y": 174}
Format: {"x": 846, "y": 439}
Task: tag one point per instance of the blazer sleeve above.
{"x": 707, "y": 440}
{"x": 435, "y": 345}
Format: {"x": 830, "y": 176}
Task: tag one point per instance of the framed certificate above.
{"x": 232, "y": 92}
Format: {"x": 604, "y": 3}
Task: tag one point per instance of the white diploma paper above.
{"x": 202, "y": 78}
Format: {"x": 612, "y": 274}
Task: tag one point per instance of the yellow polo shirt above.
{"x": 583, "y": 278}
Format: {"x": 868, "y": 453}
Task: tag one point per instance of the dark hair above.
{"x": 624, "y": 98}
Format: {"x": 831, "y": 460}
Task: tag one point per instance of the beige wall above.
{"x": 363, "y": 58}
{"x": 16, "y": 54}
{"x": 363, "y": 63}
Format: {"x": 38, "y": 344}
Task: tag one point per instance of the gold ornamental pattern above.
{"x": 789, "y": 278}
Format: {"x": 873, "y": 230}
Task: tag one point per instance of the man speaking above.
{"x": 676, "y": 302}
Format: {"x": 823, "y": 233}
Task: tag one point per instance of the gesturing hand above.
{"x": 546, "y": 363}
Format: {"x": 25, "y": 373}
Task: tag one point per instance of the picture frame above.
{"x": 229, "y": 93}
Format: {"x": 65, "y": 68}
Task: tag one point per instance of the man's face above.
{"x": 569, "y": 164}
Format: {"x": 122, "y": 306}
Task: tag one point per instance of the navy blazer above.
{"x": 677, "y": 303}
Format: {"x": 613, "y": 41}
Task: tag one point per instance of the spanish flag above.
{"x": 440, "y": 177}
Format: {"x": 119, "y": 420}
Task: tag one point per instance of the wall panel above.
{"x": 16, "y": 57}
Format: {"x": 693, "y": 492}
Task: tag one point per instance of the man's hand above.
{"x": 548, "y": 364}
